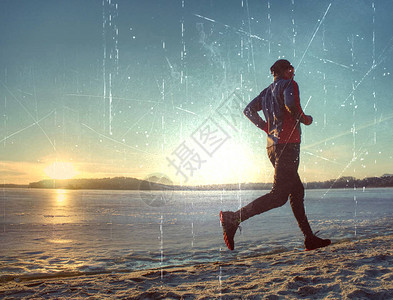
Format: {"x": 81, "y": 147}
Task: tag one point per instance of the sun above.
{"x": 60, "y": 170}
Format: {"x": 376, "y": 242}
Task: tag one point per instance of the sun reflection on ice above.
{"x": 61, "y": 197}
{"x": 60, "y": 241}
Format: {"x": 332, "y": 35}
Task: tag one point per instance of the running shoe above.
{"x": 229, "y": 224}
{"x": 314, "y": 242}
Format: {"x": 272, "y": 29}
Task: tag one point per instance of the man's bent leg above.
{"x": 311, "y": 241}
{"x": 296, "y": 198}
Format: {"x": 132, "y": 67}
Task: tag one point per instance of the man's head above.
{"x": 282, "y": 68}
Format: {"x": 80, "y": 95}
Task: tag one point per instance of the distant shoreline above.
{"x": 128, "y": 183}
{"x": 16, "y": 186}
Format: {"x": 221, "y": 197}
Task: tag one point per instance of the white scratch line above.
{"x": 129, "y": 129}
{"x": 29, "y": 113}
{"x": 346, "y": 167}
{"x": 27, "y": 127}
{"x": 190, "y": 112}
{"x": 251, "y": 44}
{"x": 116, "y": 141}
{"x": 169, "y": 63}
{"x": 308, "y": 101}
{"x": 232, "y": 28}
{"x": 323, "y": 158}
{"x": 381, "y": 59}
{"x": 359, "y": 83}
{"x": 114, "y": 98}
{"x": 313, "y": 36}
{"x": 373, "y": 123}
{"x": 333, "y": 62}
{"x": 206, "y": 18}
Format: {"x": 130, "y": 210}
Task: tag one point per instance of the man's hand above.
{"x": 308, "y": 120}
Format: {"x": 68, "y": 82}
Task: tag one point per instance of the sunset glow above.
{"x": 61, "y": 170}
{"x": 106, "y": 94}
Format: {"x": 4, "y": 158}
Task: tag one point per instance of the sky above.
{"x": 96, "y": 89}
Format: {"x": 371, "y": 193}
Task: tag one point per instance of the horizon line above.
{"x": 193, "y": 185}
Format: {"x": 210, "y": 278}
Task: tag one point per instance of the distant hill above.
{"x": 350, "y": 182}
{"x": 127, "y": 183}
{"x": 11, "y": 185}
{"x": 116, "y": 183}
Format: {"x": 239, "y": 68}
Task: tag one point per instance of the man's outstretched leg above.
{"x": 230, "y": 221}
{"x": 278, "y": 196}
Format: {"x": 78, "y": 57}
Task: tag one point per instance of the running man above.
{"x": 280, "y": 104}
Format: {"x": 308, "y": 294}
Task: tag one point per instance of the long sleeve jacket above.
{"x": 283, "y": 114}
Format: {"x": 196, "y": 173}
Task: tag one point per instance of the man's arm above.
{"x": 251, "y": 112}
{"x": 292, "y": 103}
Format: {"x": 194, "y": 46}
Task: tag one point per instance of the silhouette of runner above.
{"x": 280, "y": 104}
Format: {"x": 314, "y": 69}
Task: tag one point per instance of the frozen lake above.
{"x": 50, "y": 231}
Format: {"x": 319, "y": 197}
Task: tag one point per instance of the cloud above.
{"x": 19, "y": 172}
